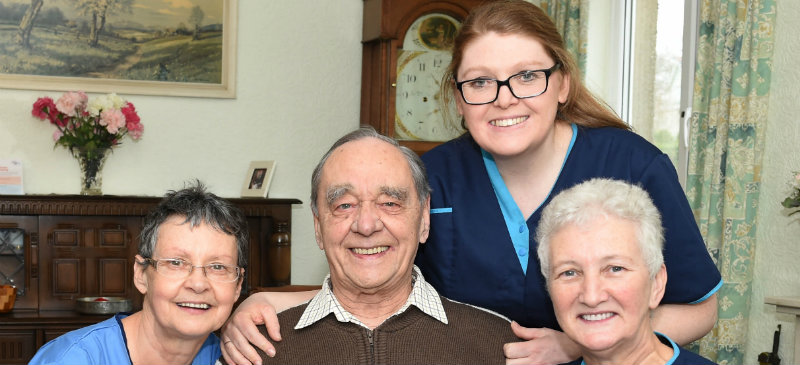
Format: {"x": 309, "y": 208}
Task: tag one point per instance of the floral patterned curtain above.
{"x": 732, "y": 79}
{"x": 571, "y": 18}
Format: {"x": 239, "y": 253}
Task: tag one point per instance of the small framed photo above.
{"x": 258, "y": 178}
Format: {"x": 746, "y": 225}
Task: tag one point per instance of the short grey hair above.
{"x": 418, "y": 173}
{"x": 196, "y": 206}
{"x": 602, "y": 197}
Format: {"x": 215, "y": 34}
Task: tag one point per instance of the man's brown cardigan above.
{"x": 473, "y": 336}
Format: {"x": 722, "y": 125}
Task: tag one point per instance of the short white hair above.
{"x": 601, "y": 197}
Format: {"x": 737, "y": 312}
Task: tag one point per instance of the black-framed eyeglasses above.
{"x": 181, "y": 269}
{"x": 525, "y": 84}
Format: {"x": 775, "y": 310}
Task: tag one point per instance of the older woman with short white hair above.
{"x": 600, "y": 248}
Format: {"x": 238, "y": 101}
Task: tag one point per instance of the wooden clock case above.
{"x": 385, "y": 25}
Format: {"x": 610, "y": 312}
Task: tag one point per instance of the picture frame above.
{"x": 136, "y": 51}
{"x": 258, "y": 179}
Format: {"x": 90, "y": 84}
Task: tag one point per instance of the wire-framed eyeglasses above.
{"x": 180, "y": 269}
{"x": 525, "y": 84}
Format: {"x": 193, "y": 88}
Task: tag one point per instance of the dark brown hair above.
{"x": 523, "y": 18}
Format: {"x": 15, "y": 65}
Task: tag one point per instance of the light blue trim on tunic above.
{"x": 710, "y": 293}
{"x": 516, "y": 224}
{"x": 441, "y": 210}
{"x": 676, "y": 350}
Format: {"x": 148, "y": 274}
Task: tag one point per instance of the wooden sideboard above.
{"x": 76, "y": 246}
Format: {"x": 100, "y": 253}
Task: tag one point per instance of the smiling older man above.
{"x": 370, "y": 199}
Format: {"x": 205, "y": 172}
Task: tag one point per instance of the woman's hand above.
{"x": 541, "y": 346}
{"x": 240, "y": 331}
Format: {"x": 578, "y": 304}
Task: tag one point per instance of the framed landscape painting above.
{"x": 148, "y": 47}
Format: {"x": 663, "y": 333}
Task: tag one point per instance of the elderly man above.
{"x": 600, "y": 246}
{"x": 370, "y": 200}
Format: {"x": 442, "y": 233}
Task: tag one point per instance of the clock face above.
{"x": 420, "y": 67}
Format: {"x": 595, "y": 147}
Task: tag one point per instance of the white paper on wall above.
{"x": 11, "y": 177}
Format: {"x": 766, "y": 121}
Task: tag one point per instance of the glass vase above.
{"x": 91, "y": 161}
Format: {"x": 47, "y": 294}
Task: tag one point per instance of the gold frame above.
{"x": 258, "y": 179}
{"x": 225, "y": 89}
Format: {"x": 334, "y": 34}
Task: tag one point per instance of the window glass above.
{"x": 636, "y": 62}
{"x": 667, "y": 85}
{"x": 12, "y": 258}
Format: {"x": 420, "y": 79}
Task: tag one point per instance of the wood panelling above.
{"x": 64, "y": 237}
{"x": 17, "y": 345}
{"x": 76, "y": 254}
{"x": 112, "y": 238}
{"x": 114, "y": 277}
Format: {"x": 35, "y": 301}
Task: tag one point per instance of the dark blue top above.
{"x": 680, "y": 356}
{"x": 469, "y": 255}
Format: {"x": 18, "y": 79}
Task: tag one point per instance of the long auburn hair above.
{"x": 520, "y": 17}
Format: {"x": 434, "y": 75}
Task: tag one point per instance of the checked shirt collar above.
{"x": 423, "y": 296}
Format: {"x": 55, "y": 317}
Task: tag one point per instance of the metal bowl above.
{"x": 103, "y": 305}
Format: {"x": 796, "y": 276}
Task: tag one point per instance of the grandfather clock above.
{"x": 406, "y": 50}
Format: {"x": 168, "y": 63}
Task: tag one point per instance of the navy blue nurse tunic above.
{"x": 469, "y": 255}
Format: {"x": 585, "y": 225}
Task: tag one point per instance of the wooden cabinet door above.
{"x": 86, "y": 256}
{"x": 27, "y": 280}
{"x": 17, "y": 346}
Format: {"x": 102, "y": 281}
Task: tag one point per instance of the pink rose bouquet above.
{"x": 89, "y": 129}
{"x": 100, "y": 123}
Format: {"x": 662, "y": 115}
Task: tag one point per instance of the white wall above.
{"x": 299, "y": 78}
{"x": 777, "y": 257}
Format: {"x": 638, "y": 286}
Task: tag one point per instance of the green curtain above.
{"x": 732, "y": 78}
{"x": 571, "y": 18}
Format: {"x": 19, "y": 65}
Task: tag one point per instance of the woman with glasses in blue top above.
{"x": 190, "y": 269}
{"x": 533, "y": 130}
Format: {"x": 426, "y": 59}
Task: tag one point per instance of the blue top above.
{"x": 515, "y": 222}
{"x": 470, "y": 256}
{"x": 679, "y": 356}
{"x": 105, "y": 343}
{"x": 682, "y": 356}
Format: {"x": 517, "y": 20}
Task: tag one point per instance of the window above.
{"x": 640, "y": 60}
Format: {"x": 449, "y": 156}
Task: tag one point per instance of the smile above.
{"x": 507, "y": 122}
{"x": 370, "y": 251}
{"x": 194, "y": 305}
{"x": 597, "y": 317}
